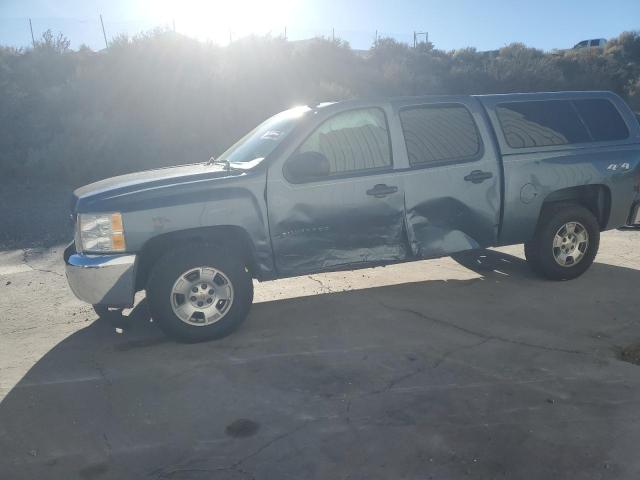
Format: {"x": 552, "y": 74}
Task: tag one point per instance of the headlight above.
{"x": 101, "y": 232}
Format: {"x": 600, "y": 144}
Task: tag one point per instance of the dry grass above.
{"x": 33, "y": 214}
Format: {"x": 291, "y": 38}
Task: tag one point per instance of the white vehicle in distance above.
{"x": 594, "y": 43}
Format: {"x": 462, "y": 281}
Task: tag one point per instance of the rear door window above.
{"x": 439, "y": 134}
{"x": 602, "y": 119}
{"x": 541, "y": 123}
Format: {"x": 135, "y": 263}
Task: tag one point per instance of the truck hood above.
{"x": 93, "y": 196}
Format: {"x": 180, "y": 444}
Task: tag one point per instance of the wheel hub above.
{"x": 570, "y": 244}
{"x": 202, "y": 296}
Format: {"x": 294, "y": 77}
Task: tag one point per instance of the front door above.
{"x": 352, "y": 215}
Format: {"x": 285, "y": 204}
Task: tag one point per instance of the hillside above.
{"x": 162, "y": 98}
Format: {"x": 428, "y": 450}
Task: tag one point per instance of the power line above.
{"x": 289, "y": 33}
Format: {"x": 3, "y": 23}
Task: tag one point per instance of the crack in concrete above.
{"x": 169, "y": 472}
{"x": 25, "y": 261}
{"x": 453, "y": 351}
{"x": 321, "y": 283}
{"x": 107, "y": 443}
{"x": 269, "y": 443}
{"x": 480, "y": 334}
{"x": 348, "y": 411}
{"x": 179, "y": 470}
{"x": 20, "y": 330}
{"x": 108, "y": 384}
{"x": 394, "y": 381}
{"x": 44, "y": 325}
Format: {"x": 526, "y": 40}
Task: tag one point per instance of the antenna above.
{"x": 33, "y": 40}
{"x": 106, "y": 44}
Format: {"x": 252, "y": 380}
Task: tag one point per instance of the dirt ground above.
{"x": 445, "y": 369}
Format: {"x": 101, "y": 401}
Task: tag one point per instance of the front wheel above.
{"x": 565, "y": 243}
{"x": 198, "y": 292}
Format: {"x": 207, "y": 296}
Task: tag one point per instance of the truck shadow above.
{"x": 308, "y": 374}
{"x": 491, "y": 262}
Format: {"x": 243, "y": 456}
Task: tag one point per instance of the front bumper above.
{"x": 101, "y": 279}
{"x": 635, "y": 215}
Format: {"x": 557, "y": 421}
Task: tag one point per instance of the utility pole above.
{"x": 333, "y": 34}
{"x": 104, "y": 34}
{"x": 174, "y": 24}
{"x": 33, "y": 40}
{"x": 285, "y": 32}
{"x": 415, "y": 38}
{"x": 375, "y": 42}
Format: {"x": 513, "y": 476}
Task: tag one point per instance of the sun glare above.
{"x": 217, "y": 20}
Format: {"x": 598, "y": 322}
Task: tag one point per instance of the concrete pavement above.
{"x": 443, "y": 369}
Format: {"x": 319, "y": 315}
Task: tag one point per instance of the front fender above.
{"x": 237, "y": 202}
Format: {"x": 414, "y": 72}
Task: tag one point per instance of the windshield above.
{"x": 263, "y": 139}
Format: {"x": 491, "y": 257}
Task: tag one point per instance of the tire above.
{"x": 221, "y": 270}
{"x": 545, "y": 258}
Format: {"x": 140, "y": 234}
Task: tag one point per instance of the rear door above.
{"x": 452, "y": 185}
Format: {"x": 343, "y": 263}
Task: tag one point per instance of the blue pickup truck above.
{"x": 355, "y": 184}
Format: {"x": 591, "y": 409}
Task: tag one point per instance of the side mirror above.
{"x": 307, "y": 166}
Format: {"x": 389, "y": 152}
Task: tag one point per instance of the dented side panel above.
{"x": 334, "y": 223}
{"x": 445, "y": 212}
{"x": 325, "y": 225}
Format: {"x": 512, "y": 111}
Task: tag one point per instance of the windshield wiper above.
{"x": 213, "y": 160}
{"x": 224, "y": 163}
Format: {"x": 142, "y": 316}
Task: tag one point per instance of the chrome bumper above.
{"x": 635, "y": 216}
{"x": 101, "y": 279}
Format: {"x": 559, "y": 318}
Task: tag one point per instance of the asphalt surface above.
{"x": 443, "y": 369}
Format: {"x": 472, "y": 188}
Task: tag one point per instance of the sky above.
{"x": 451, "y": 24}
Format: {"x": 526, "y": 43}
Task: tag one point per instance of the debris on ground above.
{"x": 242, "y": 428}
{"x": 631, "y": 354}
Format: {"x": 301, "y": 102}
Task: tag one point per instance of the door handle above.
{"x": 478, "y": 176}
{"x": 381, "y": 190}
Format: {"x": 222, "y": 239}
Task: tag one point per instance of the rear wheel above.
{"x": 565, "y": 243}
{"x": 199, "y": 292}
